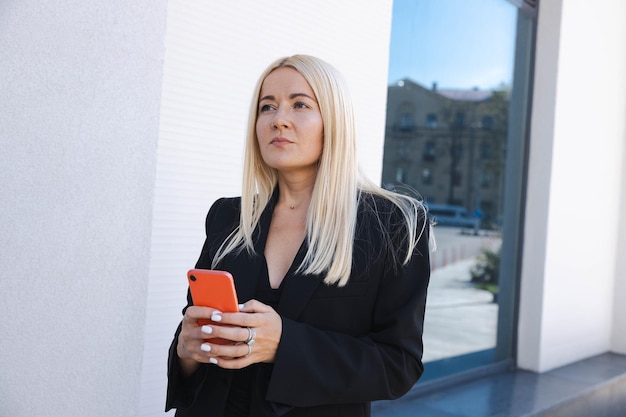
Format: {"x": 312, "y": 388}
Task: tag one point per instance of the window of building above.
{"x": 458, "y": 150}
{"x": 459, "y": 120}
{"x": 431, "y": 120}
{"x": 427, "y": 176}
{"x": 486, "y": 150}
{"x": 482, "y": 70}
{"x": 430, "y": 151}
{"x": 400, "y": 175}
{"x": 487, "y": 122}
{"x": 406, "y": 122}
{"x": 485, "y": 179}
{"x": 402, "y": 148}
{"x": 457, "y": 178}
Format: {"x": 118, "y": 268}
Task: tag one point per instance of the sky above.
{"x": 455, "y": 43}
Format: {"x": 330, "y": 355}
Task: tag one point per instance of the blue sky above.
{"x": 456, "y": 43}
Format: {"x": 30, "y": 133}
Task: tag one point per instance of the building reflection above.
{"x": 449, "y": 145}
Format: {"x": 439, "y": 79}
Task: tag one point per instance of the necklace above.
{"x": 292, "y": 207}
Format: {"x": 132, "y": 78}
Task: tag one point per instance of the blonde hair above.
{"x": 331, "y": 219}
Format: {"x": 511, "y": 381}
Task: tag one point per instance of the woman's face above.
{"x": 289, "y": 125}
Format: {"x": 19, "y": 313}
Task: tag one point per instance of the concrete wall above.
{"x": 79, "y": 110}
{"x": 571, "y": 291}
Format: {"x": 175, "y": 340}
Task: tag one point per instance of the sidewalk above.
{"x": 460, "y": 319}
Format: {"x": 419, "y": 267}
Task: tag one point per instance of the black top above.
{"x": 240, "y": 394}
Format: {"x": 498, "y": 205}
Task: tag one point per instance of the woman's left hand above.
{"x": 265, "y": 327}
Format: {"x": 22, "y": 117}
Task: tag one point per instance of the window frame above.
{"x": 514, "y": 193}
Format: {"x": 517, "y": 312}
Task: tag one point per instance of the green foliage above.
{"x": 486, "y": 270}
{"x": 484, "y": 274}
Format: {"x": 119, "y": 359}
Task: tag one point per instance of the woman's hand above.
{"x": 266, "y": 328}
{"x": 191, "y": 338}
{"x": 202, "y": 325}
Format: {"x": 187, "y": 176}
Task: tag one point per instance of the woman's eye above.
{"x": 300, "y": 105}
{"x": 265, "y": 107}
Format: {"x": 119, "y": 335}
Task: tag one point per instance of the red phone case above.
{"x": 215, "y": 289}
{"x": 212, "y": 288}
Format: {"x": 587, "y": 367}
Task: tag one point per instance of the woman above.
{"x": 332, "y": 268}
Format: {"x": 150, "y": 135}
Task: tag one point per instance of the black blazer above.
{"x": 341, "y": 347}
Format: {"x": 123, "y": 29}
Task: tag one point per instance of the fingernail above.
{"x": 240, "y": 306}
{"x": 216, "y": 316}
{"x": 213, "y": 361}
{"x": 205, "y": 347}
{"x": 206, "y": 329}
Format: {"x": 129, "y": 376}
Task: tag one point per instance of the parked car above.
{"x": 453, "y": 216}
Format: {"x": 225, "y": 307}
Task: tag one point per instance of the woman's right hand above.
{"x": 200, "y": 328}
{"x": 192, "y": 337}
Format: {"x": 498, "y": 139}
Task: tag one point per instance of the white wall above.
{"x": 618, "y": 342}
{"x": 214, "y": 55}
{"x": 79, "y": 109}
{"x": 570, "y": 292}
{"x": 92, "y": 210}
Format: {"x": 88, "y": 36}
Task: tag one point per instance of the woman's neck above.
{"x": 295, "y": 193}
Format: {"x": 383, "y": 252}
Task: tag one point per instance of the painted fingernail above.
{"x": 205, "y": 347}
{"x": 206, "y": 329}
{"x": 213, "y": 361}
{"x": 240, "y": 306}
{"x": 216, "y": 316}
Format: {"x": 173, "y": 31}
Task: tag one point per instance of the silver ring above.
{"x": 251, "y": 336}
{"x": 249, "y": 350}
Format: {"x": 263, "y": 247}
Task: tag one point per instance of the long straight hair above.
{"x": 331, "y": 218}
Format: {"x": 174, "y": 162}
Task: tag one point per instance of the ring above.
{"x": 251, "y": 336}
{"x": 249, "y": 350}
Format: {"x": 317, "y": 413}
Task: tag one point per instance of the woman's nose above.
{"x": 280, "y": 120}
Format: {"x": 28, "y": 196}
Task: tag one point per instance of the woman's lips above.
{"x": 279, "y": 141}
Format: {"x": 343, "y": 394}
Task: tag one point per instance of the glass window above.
{"x": 486, "y": 151}
{"x": 431, "y": 120}
{"x": 406, "y": 123}
{"x": 430, "y": 151}
{"x": 427, "y": 176}
{"x": 458, "y": 150}
{"x": 485, "y": 179}
{"x": 487, "y": 122}
{"x": 400, "y": 177}
{"x": 463, "y": 68}
{"x": 406, "y": 117}
{"x": 402, "y": 149}
{"x": 457, "y": 178}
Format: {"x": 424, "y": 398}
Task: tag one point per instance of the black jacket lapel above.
{"x": 297, "y": 288}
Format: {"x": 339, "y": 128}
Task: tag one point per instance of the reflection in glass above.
{"x": 449, "y": 93}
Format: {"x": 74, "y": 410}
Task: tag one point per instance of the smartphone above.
{"x": 213, "y": 288}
